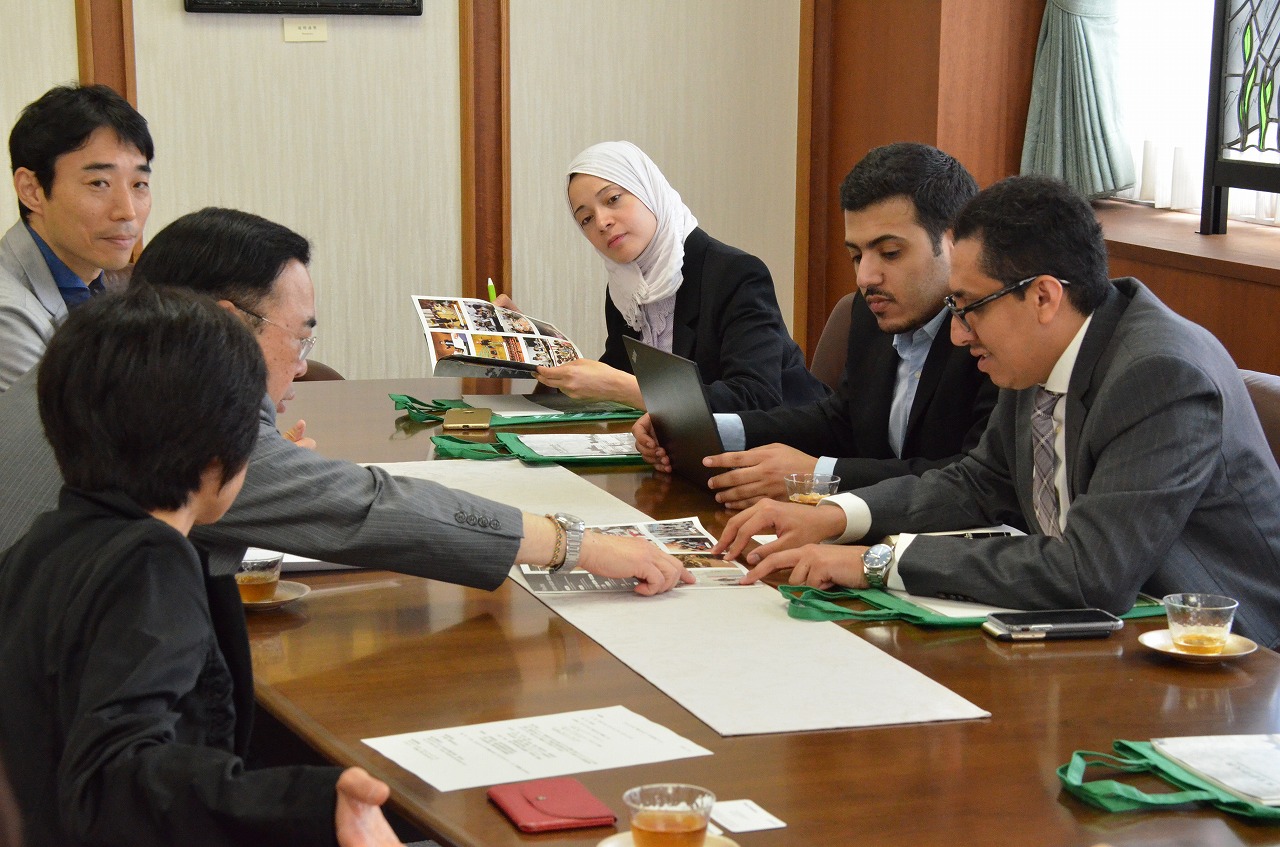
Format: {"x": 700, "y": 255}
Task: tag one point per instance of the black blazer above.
{"x": 950, "y": 411}
{"x": 727, "y": 320}
{"x": 127, "y": 693}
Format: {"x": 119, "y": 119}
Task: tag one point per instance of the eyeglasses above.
{"x": 304, "y": 344}
{"x": 958, "y": 312}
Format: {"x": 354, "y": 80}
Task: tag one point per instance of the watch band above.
{"x": 573, "y": 528}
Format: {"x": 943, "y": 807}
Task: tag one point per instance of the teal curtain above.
{"x": 1073, "y": 125}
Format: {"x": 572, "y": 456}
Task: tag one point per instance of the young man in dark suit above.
{"x": 909, "y": 400}
{"x": 1124, "y": 439}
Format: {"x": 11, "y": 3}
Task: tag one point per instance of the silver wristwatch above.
{"x": 573, "y": 527}
{"x": 876, "y": 563}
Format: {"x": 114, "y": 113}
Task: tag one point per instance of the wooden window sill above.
{"x": 1158, "y": 236}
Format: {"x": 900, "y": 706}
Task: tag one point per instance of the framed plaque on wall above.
{"x": 309, "y": 7}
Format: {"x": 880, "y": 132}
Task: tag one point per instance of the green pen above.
{"x": 493, "y": 292}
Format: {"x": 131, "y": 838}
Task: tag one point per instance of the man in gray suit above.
{"x": 293, "y": 499}
{"x": 1123, "y": 436}
{"x": 81, "y": 160}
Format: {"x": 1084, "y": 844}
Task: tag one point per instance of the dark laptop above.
{"x": 677, "y": 402}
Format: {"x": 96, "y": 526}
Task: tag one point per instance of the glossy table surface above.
{"x": 376, "y": 653}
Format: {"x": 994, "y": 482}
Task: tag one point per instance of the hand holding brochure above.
{"x": 467, "y": 336}
{"x": 684, "y": 538}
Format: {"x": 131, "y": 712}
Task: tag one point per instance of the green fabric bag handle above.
{"x": 1140, "y": 757}
{"x": 450, "y": 447}
{"x": 433, "y": 412}
{"x": 815, "y": 604}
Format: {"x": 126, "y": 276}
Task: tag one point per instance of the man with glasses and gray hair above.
{"x": 294, "y": 499}
{"x": 1123, "y": 438}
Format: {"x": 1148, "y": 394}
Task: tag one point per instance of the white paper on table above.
{"x": 537, "y": 489}
{"x": 534, "y": 748}
{"x": 755, "y": 670}
{"x": 576, "y": 446}
{"x": 1245, "y": 765}
{"x": 508, "y": 405}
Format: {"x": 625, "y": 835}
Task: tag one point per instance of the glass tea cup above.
{"x": 1200, "y": 623}
{"x": 809, "y": 488}
{"x": 259, "y": 575}
{"x": 669, "y": 814}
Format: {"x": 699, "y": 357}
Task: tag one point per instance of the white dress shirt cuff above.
{"x": 826, "y": 465}
{"x": 894, "y": 580}
{"x": 732, "y": 433}
{"x": 857, "y": 516}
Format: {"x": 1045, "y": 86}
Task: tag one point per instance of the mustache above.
{"x": 877, "y": 291}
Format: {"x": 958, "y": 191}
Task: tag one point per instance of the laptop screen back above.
{"x": 677, "y": 402}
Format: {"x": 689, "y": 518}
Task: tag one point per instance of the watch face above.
{"x": 877, "y": 558}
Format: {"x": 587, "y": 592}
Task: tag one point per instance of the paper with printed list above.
{"x": 534, "y": 748}
{"x": 1246, "y": 765}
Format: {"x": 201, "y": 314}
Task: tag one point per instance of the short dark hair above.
{"x": 225, "y": 254}
{"x": 1032, "y": 225}
{"x": 141, "y": 392}
{"x": 61, "y": 122}
{"x": 937, "y": 185}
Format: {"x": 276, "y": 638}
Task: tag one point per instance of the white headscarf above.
{"x": 656, "y": 274}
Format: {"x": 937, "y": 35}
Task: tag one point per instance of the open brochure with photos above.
{"x": 469, "y": 337}
{"x": 684, "y": 538}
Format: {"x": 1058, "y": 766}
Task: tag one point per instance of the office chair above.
{"x": 833, "y": 345}
{"x": 1264, "y": 391}
{"x": 318, "y": 372}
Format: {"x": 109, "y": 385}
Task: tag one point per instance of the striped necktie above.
{"x": 1044, "y": 494}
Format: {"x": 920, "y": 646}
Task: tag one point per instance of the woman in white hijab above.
{"x": 676, "y": 288}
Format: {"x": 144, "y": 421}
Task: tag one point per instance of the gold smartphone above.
{"x": 467, "y": 418}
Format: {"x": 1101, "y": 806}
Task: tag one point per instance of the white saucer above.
{"x": 623, "y": 839}
{"x": 1162, "y": 642}
{"x": 286, "y": 592}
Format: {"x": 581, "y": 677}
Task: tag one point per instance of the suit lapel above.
{"x": 684, "y": 334}
{"x": 19, "y": 243}
{"x": 1090, "y": 363}
{"x": 930, "y": 377}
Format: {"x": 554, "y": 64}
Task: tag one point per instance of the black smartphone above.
{"x": 1052, "y": 624}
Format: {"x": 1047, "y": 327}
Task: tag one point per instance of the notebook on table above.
{"x": 677, "y": 402}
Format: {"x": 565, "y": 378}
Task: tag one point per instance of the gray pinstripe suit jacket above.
{"x": 296, "y": 501}
{"x": 30, "y": 305}
{"x": 1172, "y": 484}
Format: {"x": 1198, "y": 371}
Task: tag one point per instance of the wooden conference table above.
{"x": 383, "y": 653}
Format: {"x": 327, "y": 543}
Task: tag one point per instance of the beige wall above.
{"x": 707, "y": 89}
{"x": 352, "y": 142}
{"x": 38, "y": 46}
{"x": 355, "y": 142}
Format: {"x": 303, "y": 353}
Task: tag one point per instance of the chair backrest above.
{"x": 318, "y": 372}
{"x": 833, "y": 345}
{"x": 1264, "y": 390}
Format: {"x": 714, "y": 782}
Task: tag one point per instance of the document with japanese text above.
{"x": 534, "y": 748}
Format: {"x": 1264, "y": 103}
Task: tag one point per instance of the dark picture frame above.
{"x": 308, "y": 7}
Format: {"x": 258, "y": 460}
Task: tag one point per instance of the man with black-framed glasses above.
{"x": 1124, "y": 438}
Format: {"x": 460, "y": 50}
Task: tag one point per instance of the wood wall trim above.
{"x": 104, "y": 36}
{"x": 954, "y": 73}
{"x": 484, "y": 32}
{"x": 813, "y": 188}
